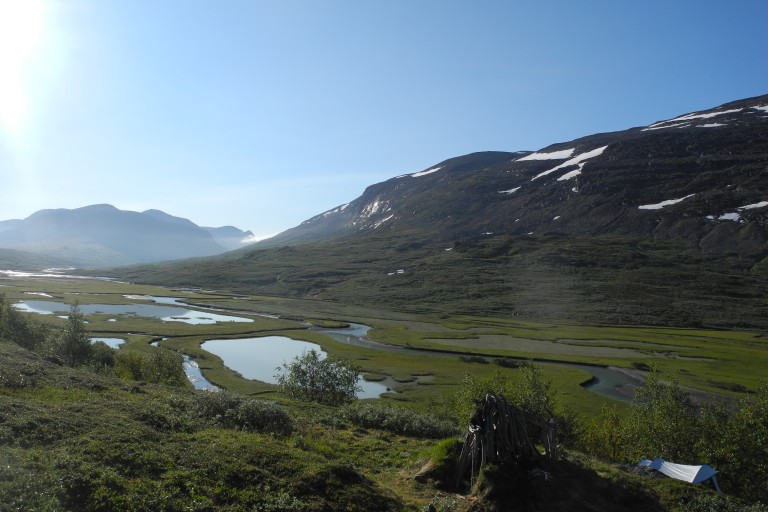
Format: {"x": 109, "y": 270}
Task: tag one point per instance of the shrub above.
{"x": 715, "y": 502}
{"x": 532, "y": 393}
{"x": 102, "y": 356}
{"x": 234, "y": 411}
{"x": 399, "y": 420}
{"x": 14, "y": 327}
{"x": 71, "y": 344}
{"x": 128, "y": 365}
{"x": 161, "y": 366}
{"x": 165, "y": 366}
{"x": 664, "y": 422}
{"x": 312, "y": 379}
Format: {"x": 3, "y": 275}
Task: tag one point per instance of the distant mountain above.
{"x": 700, "y": 177}
{"x": 19, "y": 260}
{"x": 9, "y": 224}
{"x": 660, "y": 224}
{"x": 101, "y": 235}
{"x": 230, "y": 236}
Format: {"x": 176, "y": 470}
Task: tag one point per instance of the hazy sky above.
{"x": 261, "y": 114}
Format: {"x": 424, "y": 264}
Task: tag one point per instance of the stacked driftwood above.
{"x": 499, "y": 433}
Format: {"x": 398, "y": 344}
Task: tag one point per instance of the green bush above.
{"x": 102, "y": 357}
{"x": 129, "y": 365}
{"x": 234, "y": 411}
{"x": 72, "y": 344}
{"x": 14, "y": 327}
{"x": 532, "y": 393}
{"x": 399, "y": 420}
{"x": 664, "y": 422}
{"x": 161, "y": 366}
{"x": 312, "y": 379}
{"x": 715, "y": 502}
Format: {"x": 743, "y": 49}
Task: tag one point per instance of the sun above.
{"x": 22, "y": 33}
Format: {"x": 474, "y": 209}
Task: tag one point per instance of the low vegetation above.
{"x": 548, "y": 277}
{"x": 311, "y": 378}
{"x": 665, "y": 422}
{"x": 85, "y": 427}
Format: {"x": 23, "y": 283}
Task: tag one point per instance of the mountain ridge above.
{"x": 657, "y": 225}
{"x": 524, "y": 188}
{"x": 101, "y": 235}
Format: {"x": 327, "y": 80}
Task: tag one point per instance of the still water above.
{"x": 164, "y": 313}
{"x": 259, "y": 358}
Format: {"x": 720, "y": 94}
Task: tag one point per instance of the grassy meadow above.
{"x": 720, "y": 362}
{"x": 78, "y": 440}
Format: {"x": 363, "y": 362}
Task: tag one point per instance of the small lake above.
{"x": 259, "y": 358}
{"x": 162, "y": 312}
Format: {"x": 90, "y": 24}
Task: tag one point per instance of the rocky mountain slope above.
{"x": 102, "y": 235}
{"x": 657, "y": 225}
{"x": 700, "y": 177}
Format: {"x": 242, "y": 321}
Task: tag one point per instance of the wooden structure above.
{"x": 498, "y": 433}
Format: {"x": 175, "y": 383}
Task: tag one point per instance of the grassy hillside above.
{"x": 20, "y": 260}
{"x": 74, "y": 440}
{"x": 614, "y": 280}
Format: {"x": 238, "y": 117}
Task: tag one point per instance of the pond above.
{"x": 259, "y": 358}
{"x": 164, "y": 313}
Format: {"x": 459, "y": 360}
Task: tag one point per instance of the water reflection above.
{"x": 164, "y": 313}
{"x": 259, "y": 358}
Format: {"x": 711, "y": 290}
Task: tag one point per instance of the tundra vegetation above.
{"x": 86, "y": 427}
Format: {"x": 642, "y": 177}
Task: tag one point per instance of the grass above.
{"x": 579, "y": 280}
{"x": 72, "y": 439}
{"x": 724, "y": 362}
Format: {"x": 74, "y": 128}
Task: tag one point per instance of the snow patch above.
{"x": 571, "y": 174}
{"x": 662, "y": 204}
{"x": 554, "y": 155}
{"x": 691, "y": 117}
{"x": 574, "y": 161}
{"x": 710, "y": 125}
{"x": 753, "y": 206}
{"x": 675, "y": 125}
{"x": 373, "y": 208}
{"x": 424, "y": 173}
{"x": 735, "y": 217}
{"x": 557, "y": 217}
{"x": 334, "y": 210}
{"x": 762, "y": 108}
{"x": 510, "y": 191}
{"x": 382, "y": 221}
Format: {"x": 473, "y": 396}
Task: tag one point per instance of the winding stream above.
{"x": 256, "y": 358}
{"x": 606, "y": 381}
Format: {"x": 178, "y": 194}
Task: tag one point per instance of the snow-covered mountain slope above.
{"x": 700, "y": 177}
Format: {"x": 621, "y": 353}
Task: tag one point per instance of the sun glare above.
{"x": 22, "y": 31}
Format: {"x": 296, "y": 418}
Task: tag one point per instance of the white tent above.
{"x": 693, "y": 474}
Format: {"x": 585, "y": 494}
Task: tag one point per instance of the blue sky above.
{"x": 261, "y": 114}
